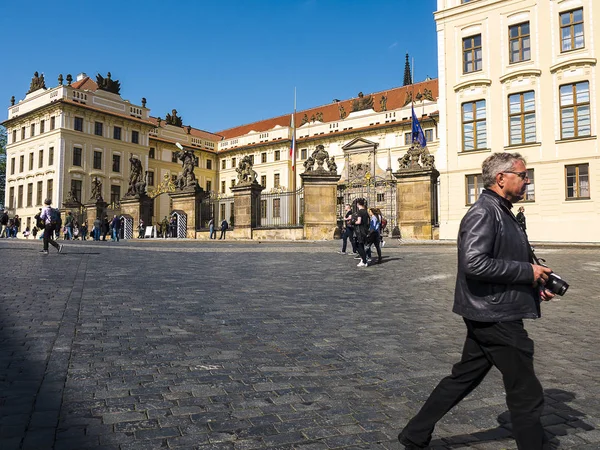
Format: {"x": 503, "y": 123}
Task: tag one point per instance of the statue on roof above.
{"x": 107, "y": 84}
{"x": 362, "y": 102}
{"x": 174, "y": 119}
{"x": 343, "y": 113}
{"x": 37, "y": 82}
{"x": 319, "y": 116}
{"x": 383, "y": 103}
{"x": 304, "y": 119}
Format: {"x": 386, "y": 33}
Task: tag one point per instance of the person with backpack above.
{"x": 4, "y": 224}
{"x": 224, "y": 226}
{"x": 69, "y": 226}
{"x": 361, "y": 228}
{"x": 50, "y": 217}
{"x": 374, "y": 236}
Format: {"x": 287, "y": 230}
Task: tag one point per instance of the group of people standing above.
{"x": 364, "y": 230}
{"x": 9, "y": 227}
{"x": 213, "y": 231}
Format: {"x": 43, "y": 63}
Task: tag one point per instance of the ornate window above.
{"x": 277, "y": 155}
{"x": 98, "y": 128}
{"x": 520, "y": 42}
{"x": 76, "y": 189}
{"x": 135, "y": 137}
{"x": 474, "y": 125}
{"x": 117, "y": 133}
{"x": 78, "y": 124}
{"x": 577, "y": 181}
{"x": 209, "y": 164}
{"x": 472, "y": 54}
{"x": 571, "y": 30}
{"x": 575, "y": 119}
{"x": 263, "y": 157}
{"x": 474, "y": 185}
{"x": 116, "y": 163}
{"x": 521, "y": 118}
{"x": 77, "y": 156}
{"x": 97, "y": 160}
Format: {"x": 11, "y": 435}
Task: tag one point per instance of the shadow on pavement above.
{"x": 558, "y": 418}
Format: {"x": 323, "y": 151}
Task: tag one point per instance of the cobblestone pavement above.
{"x": 148, "y": 345}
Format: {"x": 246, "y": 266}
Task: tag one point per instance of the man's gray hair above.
{"x": 498, "y": 163}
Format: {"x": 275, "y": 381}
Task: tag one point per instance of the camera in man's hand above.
{"x": 556, "y": 284}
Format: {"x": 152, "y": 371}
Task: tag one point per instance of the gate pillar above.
{"x": 138, "y": 207}
{"x": 416, "y": 203}
{"x": 320, "y": 201}
{"x": 186, "y": 201}
{"x": 245, "y": 209}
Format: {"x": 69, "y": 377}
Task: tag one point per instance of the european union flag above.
{"x": 417, "y": 131}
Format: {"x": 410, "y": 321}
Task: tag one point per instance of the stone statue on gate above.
{"x": 187, "y": 179}
{"x": 96, "y": 190}
{"x": 417, "y": 158}
{"x": 320, "y": 157}
{"x": 246, "y": 174}
{"x": 137, "y": 184}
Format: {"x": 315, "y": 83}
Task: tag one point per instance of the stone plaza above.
{"x": 249, "y": 345}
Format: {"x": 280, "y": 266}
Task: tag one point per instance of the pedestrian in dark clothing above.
{"x": 105, "y": 227}
{"x": 361, "y": 229}
{"x": 49, "y": 217}
{"x": 348, "y": 231}
{"x": 521, "y": 218}
{"x": 224, "y": 226}
{"x": 497, "y": 286}
{"x": 4, "y": 224}
{"x": 116, "y": 228}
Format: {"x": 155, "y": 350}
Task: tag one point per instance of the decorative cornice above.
{"x": 520, "y": 73}
{"x": 573, "y": 63}
{"x": 475, "y": 82}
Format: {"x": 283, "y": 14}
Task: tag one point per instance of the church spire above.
{"x": 407, "y": 75}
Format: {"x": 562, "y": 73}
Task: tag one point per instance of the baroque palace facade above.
{"x": 62, "y": 138}
{"x": 520, "y": 75}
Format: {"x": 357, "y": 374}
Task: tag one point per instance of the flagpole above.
{"x": 294, "y": 175}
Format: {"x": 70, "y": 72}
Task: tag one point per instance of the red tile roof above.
{"x": 396, "y": 98}
{"x": 86, "y": 83}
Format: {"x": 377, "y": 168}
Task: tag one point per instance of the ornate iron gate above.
{"x": 378, "y": 192}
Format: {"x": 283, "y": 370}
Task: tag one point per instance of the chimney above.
{"x": 81, "y": 76}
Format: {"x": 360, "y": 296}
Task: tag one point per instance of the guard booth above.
{"x": 127, "y": 228}
{"x": 181, "y": 222}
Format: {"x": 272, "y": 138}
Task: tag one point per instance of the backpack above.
{"x": 383, "y": 223}
{"x": 54, "y": 216}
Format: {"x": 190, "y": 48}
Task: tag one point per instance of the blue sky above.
{"x": 220, "y": 63}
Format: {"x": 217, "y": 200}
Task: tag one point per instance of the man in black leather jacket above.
{"x": 497, "y": 286}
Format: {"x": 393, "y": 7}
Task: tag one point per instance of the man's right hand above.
{"x": 540, "y": 274}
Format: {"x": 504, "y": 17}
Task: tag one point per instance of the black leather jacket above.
{"x": 494, "y": 281}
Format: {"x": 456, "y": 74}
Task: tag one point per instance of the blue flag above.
{"x": 417, "y": 131}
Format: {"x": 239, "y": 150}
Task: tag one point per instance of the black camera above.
{"x": 556, "y": 284}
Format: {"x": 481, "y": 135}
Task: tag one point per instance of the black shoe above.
{"x": 408, "y": 444}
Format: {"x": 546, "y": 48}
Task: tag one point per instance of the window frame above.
{"x": 117, "y": 133}
{"x": 522, "y": 114}
{"x": 519, "y": 38}
{"x": 475, "y": 123}
{"x": 116, "y": 162}
{"x": 575, "y": 106}
{"x": 77, "y": 157}
{"x": 97, "y": 159}
{"x": 577, "y": 179}
{"x": 277, "y": 155}
{"x": 99, "y": 128}
{"x": 478, "y": 190}
{"x": 571, "y": 25}
{"x": 135, "y": 137}
{"x": 473, "y": 52}
{"x": 78, "y": 123}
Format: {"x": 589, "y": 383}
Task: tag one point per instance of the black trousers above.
{"x": 506, "y": 346}
{"x": 48, "y": 237}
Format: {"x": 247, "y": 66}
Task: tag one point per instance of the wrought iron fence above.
{"x": 216, "y": 207}
{"x": 280, "y": 209}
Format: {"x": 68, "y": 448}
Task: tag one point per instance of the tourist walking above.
{"x": 361, "y": 229}
{"x": 211, "y": 229}
{"x": 97, "y": 229}
{"x": 105, "y": 227}
{"x": 164, "y": 227}
{"x": 374, "y": 234}
{"x": 224, "y": 226}
{"x": 4, "y": 224}
{"x": 497, "y": 286}
{"x": 116, "y": 228}
{"x": 50, "y": 217}
{"x": 141, "y": 229}
{"x": 348, "y": 231}
{"x": 521, "y": 218}
{"x": 84, "y": 231}
{"x": 69, "y": 225}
